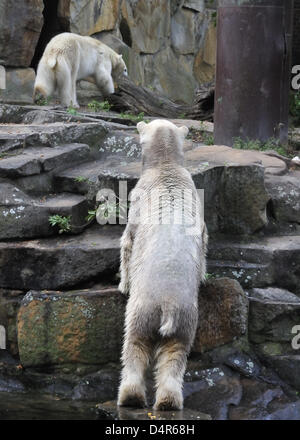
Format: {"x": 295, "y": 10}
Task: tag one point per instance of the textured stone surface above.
{"x": 70, "y": 323}
{"x": 113, "y": 412}
{"x": 14, "y": 136}
{"x": 183, "y": 31}
{"x": 149, "y": 24}
{"x": 285, "y": 194}
{"x": 19, "y": 86}
{"x": 273, "y": 314}
{"x": 53, "y": 263}
{"x": 9, "y": 305}
{"x": 223, "y": 314}
{"x": 87, "y": 18}
{"x": 20, "y": 23}
{"x": 257, "y": 262}
{"x": 22, "y": 216}
{"x": 36, "y": 160}
{"x": 70, "y": 327}
{"x": 181, "y": 86}
{"x": 205, "y": 59}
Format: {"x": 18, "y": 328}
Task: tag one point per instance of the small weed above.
{"x": 107, "y": 209}
{"x": 250, "y": 144}
{"x": 208, "y": 139}
{"x": 81, "y": 179}
{"x": 64, "y": 223}
{"x": 43, "y": 101}
{"x": 182, "y": 116}
{"x": 134, "y": 118}
{"x": 209, "y": 276}
{"x": 97, "y": 106}
{"x": 72, "y": 111}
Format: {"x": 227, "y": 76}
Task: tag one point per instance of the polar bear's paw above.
{"x": 132, "y": 395}
{"x": 167, "y": 400}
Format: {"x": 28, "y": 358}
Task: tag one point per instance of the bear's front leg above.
{"x": 126, "y": 250}
{"x": 104, "y": 82}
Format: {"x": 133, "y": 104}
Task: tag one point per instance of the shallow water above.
{"x": 44, "y": 407}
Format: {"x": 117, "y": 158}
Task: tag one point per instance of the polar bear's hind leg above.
{"x": 64, "y": 83}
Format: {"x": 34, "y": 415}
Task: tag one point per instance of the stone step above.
{"x": 285, "y": 193}
{"x": 35, "y": 160}
{"x": 72, "y": 327}
{"x": 274, "y": 323}
{"x": 22, "y": 216}
{"x": 257, "y": 261}
{"x": 12, "y": 136}
{"x": 234, "y": 190}
{"x": 60, "y": 262}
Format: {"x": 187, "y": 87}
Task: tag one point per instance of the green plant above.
{"x": 81, "y": 179}
{"x": 250, "y": 144}
{"x": 295, "y": 107}
{"x": 64, "y": 223}
{"x": 134, "y": 118}
{"x": 208, "y": 139}
{"x": 71, "y": 110}
{"x": 107, "y": 209}
{"x": 96, "y": 106}
{"x": 42, "y": 101}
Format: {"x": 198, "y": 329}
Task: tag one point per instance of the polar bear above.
{"x": 162, "y": 265}
{"x": 68, "y": 58}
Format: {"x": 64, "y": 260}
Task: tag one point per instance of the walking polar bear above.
{"x": 68, "y": 58}
{"x": 162, "y": 265}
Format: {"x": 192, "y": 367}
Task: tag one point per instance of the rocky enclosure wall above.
{"x": 168, "y": 45}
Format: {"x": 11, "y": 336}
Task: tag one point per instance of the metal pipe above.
{"x": 253, "y": 70}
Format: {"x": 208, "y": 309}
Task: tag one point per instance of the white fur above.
{"x": 68, "y": 58}
{"x": 161, "y": 268}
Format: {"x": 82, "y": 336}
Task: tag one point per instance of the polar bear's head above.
{"x": 162, "y": 142}
{"x": 119, "y": 68}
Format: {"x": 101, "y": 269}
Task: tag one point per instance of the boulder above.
{"x": 183, "y": 31}
{"x": 274, "y": 316}
{"x": 148, "y": 23}
{"x": 70, "y": 327}
{"x": 21, "y": 23}
{"x": 285, "y": 195}
{"x": 54, "y": 263}
{"x": 19, "y": 86}
{"x": 73, "y": 326}
{"x": 10, "y": 301}
{"x": 87, "y": 18}
{"x": 223, "y": 314}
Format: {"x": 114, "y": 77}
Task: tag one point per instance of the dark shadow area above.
{"x": 125, "y": 32}
{"x": 52, "y": 26}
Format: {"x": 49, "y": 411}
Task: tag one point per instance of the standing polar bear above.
{"x": 68, "y": 58}
{"x": 162, "y": 264}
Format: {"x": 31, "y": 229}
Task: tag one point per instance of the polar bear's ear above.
{"x": 120, "y": 56}
{"x": 140, "y": 126}
{"x": 184, "y": 131}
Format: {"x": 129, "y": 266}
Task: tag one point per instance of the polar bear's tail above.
{"x": 169, "y": 321}
{"x": 45, "y": 77}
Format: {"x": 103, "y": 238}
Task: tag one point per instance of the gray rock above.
{"x": 111, "y": 411}
{"x": 60, "y": 262}
{"x": 55, "y": 134}
{"x": 257, "y": 262}
{"x": 285, "y": 194}
{"x": 21, "y": 23}
{"x": 214, "y": 393}
{"x": 273, "y": 315}
{"x": 19, "y": 86}
{"x": 17, "y": 211}
{"x": 261, "y": 401}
